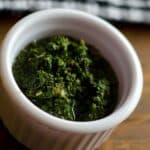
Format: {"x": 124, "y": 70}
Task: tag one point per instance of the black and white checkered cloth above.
{"x": 137, "y": 11}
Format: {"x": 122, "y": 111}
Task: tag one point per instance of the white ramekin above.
{"x": 39, "y": 130}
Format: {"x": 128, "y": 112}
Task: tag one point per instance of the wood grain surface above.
{"x": 134, "y": 133}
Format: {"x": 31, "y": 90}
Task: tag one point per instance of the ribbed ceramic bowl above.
{"x": 39, "y": 130}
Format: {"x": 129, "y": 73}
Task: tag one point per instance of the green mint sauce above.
{"x": 62, "y": 77}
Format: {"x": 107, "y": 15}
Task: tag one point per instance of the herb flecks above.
{"x": 62, "y": 76}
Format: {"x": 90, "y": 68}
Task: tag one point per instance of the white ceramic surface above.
{"x": 39, "y": 130}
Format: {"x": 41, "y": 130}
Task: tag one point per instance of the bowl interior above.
{"x": 94, "y": 34}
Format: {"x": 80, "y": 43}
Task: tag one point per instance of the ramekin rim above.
{"x": 82, "y": 127}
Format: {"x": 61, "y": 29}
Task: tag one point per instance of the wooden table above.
{"x": 134, "y": 133}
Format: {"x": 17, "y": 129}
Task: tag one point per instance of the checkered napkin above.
{"x": 137, "y": 11}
